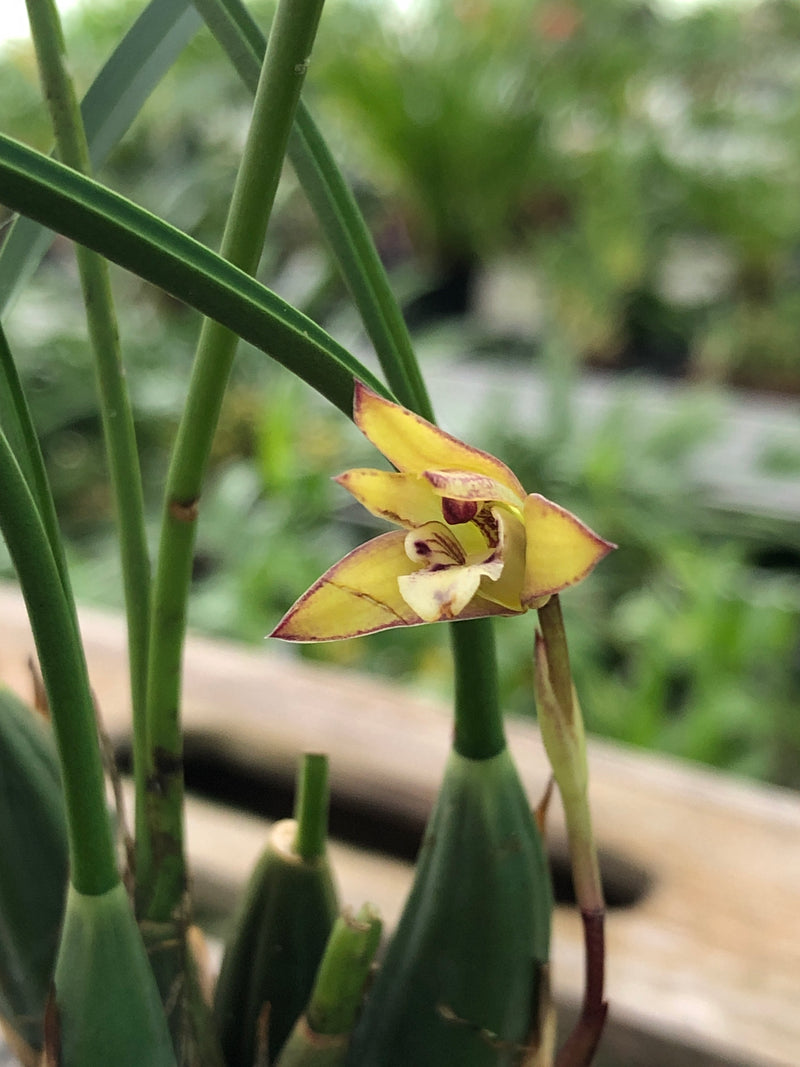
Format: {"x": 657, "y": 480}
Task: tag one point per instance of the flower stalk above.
{"x": 562, "y": 730}
{"x": 478, "y": 729}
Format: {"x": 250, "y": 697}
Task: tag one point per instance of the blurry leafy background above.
{"x": 575, "y": 201}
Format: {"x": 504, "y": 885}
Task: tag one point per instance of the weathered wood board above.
{"x": 703, "y": 969}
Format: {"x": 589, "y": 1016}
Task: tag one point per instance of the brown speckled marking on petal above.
{"x": 357, "y": 595}
{"x": 362, "y": 595}
{"x": 434, "y": 543}
{"x": 488, "y": 525}
{"x": 468, "y": 485}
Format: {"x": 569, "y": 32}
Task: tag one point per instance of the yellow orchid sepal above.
{"x": 472, "y": 543}
{"x": 411, "y": 443}
{"x": 561, "y": 550}
{"x": 361, "y": 595}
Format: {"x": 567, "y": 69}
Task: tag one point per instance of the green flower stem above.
{"x": 479, "y": 721}
{"x": 479, "y": 728}
{"x": 551, "y": 621}
{"x": 561, "y": 726}
{"x": 160, "y": 858}
{"x": 93, "y": 868}
{"x": 311, "y": 807}
{"x": 336, "y": 211}
{"x": 115, "y": 407}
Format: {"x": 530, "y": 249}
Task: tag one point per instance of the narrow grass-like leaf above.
{"x": 115, "y": 407}
{"x": 93, "y": 865}
{"x": 113, "y": 101}
{"x": 115, "y": 98}
{"x": 16, "y": 422}
{"x": 33, "y": 831}
{"x": 93, "y": 215}
{"x": 336, "y": 210}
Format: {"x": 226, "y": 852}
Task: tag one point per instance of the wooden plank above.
{"x": 708, "y": 960}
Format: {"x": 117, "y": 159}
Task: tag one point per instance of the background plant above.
{"x": 682, "y": 86}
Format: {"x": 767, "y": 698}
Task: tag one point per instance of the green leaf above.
{"x": 142, "y": 58}
{"x": 51, "y": 610}
{"x": 33, "y": 834}
{"x": 113, "y": 101}
{"x": 16, "y": 423}
{"x": 91, "y": 214}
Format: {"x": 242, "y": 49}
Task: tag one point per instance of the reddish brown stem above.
{"x": 579, "y": 1048}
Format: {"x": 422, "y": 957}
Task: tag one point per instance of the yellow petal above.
{"x": 358, "y": 595}
{"x": 437, "y": 596}
{"x": 442, "y": 594}
{"x": 464, "y": 485}
{"x": 404, "y": 499}
{"x": 413, "y": 444}
{"x": 507, "y": 589}
{"x": 560, "y": 549}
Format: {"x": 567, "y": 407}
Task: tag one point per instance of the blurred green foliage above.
{"x": 639, "y": 173}
{"x": 644, "y": 167}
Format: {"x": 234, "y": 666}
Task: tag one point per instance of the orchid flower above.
{"x": 472, "y": 542}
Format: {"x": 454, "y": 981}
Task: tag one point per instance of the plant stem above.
{"x": 344, "y": 971}
{"x": 478, "y": 719}
{"x": 554, "y": 633}
{"x": 321, "y": 1036}
{"x": 115, "y": 407}
{"x": 336, "y": 211}
{"x": 311, "y": 807}
{"x": 359, "y": 262}
{"x": 93, "y": 868}
{"x": 561, "y": 725}
{"x": 160, "y": 856}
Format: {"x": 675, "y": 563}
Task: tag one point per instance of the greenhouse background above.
{"x": 595, "y": 230}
